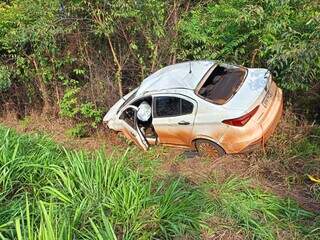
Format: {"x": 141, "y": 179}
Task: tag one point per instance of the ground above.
{"x": 274, "y": 168}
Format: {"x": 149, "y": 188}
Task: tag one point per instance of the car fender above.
{"x": 207, "y": 138}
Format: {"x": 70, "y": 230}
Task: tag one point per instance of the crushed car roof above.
{"x": 185, "y": 75}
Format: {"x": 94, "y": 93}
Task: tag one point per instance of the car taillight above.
{"x": 241, "y": 121}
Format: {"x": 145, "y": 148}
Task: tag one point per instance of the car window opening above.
{"x": 128, "y": 116}
{"x": 222, "y": 84}
{"x": 145, "y": 125}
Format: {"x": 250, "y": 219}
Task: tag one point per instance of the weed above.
{"x": 315, "y": 189}
{"x": 78, "y": 131}
{"x": 291, "y": 154}
{"x": 309, "y": 145}
{"x": 25, "y": 122}
{"x": 48, "y": 192}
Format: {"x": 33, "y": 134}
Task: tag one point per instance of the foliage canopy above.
{"x": 63, "y": 57}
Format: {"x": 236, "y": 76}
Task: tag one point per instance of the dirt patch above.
{"x": 225, "y": 229}
{"x": 199, "y": 169}
{"x": 56, "y": 129}
{"x": 299, "y": 194}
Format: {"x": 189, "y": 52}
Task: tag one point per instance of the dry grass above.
{"x": 291, "y": 154}
{"x": 57, "y": 129}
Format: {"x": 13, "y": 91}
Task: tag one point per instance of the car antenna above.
{"x": 190, "y": 70}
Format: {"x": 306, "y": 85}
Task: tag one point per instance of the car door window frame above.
{"x": 135, "y": 127}
{"x": 134, "y": 116}
{"x": 179, "y": 96}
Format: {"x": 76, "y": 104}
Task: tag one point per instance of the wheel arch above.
{"x": 203, "y": 137}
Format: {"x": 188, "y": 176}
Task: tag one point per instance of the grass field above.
{"x": 48, "y": 192}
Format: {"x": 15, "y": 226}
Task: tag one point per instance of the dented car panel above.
{"x": 245, "y": 118}
{"x": 112, "y": 116}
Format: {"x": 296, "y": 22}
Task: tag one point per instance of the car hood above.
{"x": 253, "y": 87}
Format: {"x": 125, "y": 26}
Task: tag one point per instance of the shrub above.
{"x": 5, "y": 81}
{"x": 273, "y": 34}
{"x": 78, "y": 131}
{"x": 86, "y": 113}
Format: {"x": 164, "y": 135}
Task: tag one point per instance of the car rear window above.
{"x": 222, "y": 84}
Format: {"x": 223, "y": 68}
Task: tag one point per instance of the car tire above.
{"x": 209, "y": 149}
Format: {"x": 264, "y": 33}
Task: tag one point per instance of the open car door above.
{"x": 128, "y": 120}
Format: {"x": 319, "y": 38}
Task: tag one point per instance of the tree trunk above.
{"x": 43, "y": 89}
{"x": 119, "y": 68}
{"x": 175, "y": 34}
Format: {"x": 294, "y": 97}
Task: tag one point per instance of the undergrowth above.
{"x": 261, "y": 215}
{"x": 292, "y": 153}
{"x": 48, "y": 192}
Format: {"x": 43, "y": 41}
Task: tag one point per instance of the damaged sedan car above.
{"x": 214, "y": 108}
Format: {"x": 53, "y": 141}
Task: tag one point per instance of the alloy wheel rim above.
{"x": 207, "y": 150}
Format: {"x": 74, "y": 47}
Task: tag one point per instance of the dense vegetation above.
{"x": 75, "y": 58}
{"x": 48, "y": 192}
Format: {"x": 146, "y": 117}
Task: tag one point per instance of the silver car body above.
{"x": 206, "y": 119}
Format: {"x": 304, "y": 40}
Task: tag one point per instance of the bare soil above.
{"x": 174, "y": 161}
{"x": 56, "y": 128}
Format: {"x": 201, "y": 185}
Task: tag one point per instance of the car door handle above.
{"x": 183, "y": 123}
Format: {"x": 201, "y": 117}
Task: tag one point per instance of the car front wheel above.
{"x": 207, "y": 148}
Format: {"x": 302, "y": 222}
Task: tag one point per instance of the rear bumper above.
{"x": 273, "y": 117}
{"x": 255, "y": 134}
{"x": 266, "y": 134}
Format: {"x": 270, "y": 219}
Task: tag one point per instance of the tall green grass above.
{"x": 262, "y": 215}
{"x": 47, "y": 192}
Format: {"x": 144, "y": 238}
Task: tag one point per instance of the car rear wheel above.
{"x": 207, "y": 148}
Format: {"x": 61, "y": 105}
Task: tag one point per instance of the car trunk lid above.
{"x": 252, "y": 92}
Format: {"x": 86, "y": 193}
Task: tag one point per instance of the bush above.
{"x": 274, "y": 34}
{"x": 86, "y": 115}
{"x": 78, "y": 131}
{"x": 5, "y": 81}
